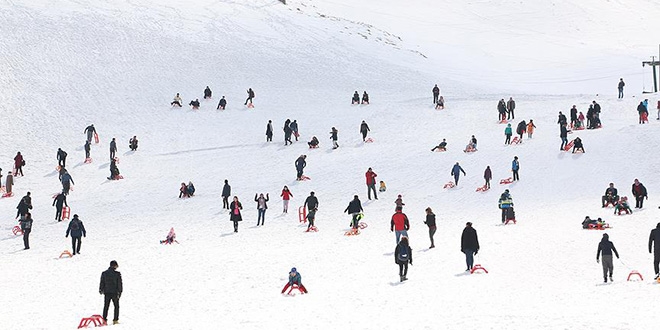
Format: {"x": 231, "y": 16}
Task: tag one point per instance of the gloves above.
{"x": 100, "y": 292}
{"x": 411, "y": 263}
{"x": 597, "y": 261}
{"x": 67, "y": 236}
{"x": 119, "y": 295}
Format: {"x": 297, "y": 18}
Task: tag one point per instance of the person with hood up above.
{"x": 294, "y": 278}
{"x": 77, "y": 230}
{"x": 207, "y": 93}
{"x": 364, "y": 129}
{"x": 354, "y": 208}
{"x": 262, "y": 206}
{"x": 402, "y": 257}
{"x": 606, "y": 248}
{"x": 456, "y": 172}
{"x": 469, "y": 244}
{"x": 26, "y": 227}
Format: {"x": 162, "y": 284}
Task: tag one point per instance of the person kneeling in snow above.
{"x": 295, "y": 278}
{"x": 577, "y": 145}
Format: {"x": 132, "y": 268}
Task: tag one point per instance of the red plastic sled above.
{"x": 369, "y": 140}
{"x": 483, "y": 188}
{"x": 478, "y": 267}
{"x": 302, "y": 214}
{"x": 352, "y": 232}
{"x": 635, "y": 273}
{"x": 66, "y": 212}
{"x": 506, "y": 181}
{"x": 507, "y": 222}
{"x": 595, "y": 226}
{"x": 295, "y": 286}
{"x": 95, "y": 319}
{"x": 449, "y": 185}
{"x": 250, "y": 105}
{"x": 516, "y": 140}
{"x": 96, "y": 138}
{"x": 569, "y": 145}
{"x": 11, "y": 194}
{"x": 304, "y": 178}
{"x": 88, "y": 160}
{"x": 312, "y": 228}
{"x": 17, "y": 230}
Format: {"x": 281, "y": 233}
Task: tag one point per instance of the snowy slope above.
{"x": 118, "y": 65}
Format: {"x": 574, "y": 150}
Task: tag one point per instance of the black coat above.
{"x": 111, "y": 282}
{"x": 311, "y": 202}
{"x": 60, "y": 200}
{"x": 469, "y": 240}
{"x": 300, "y": 163}
{"x": 232, "y": 207}
{"x": 641, "y": 192}
{"x": 354, "y": 206}
{"x": 76, "y": 228}
{"x": 23, "y": 207}
{"x": 611, "y": 192}
{"x": 403, "y": 244}
{"x": 430, "y": 220}
{"x": 61, "y": 155}
{"x": 562, "y": 119}
{"x": 606, "y": 247}
{"x": 226, "y": 190}
{"x": 563, "y": 132}
{"x": 655, "y": 237}
{"x": 364, "y": 128}
{"x": 269, "y": 129}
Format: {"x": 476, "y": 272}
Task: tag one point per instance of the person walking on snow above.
{"x": 24, "y": 206}
{"x": 61, "y": 157}
{"x": 456, "y": 172}
{"x": 488, "y": 175}
{"x": 521, "y": 129}
{"x": 436, "y": 93}
{"x": 563, "y": 134}
{"x": 286, "y": 196}
{"x": 235, "y": 213}
{"x": 364, "y": 128}
{"x": 250, "y": 96}
{"x": 113, "y": 148}
{"x": 19, "y": 162}
{"x": 300, "y": 166}
{"x": 59, "y": 202}
{"x": 399, "y": 224}
{"x": 311, "y": 202}
{"x": 403, "y": 256}
{"x": 133, "y": 143}
{"x": 294, "y": 278}
{"x": 510, "y": 107}
{"x": 508, "y": 132}
{"x": 262, "y": 206}
{"x": 639, "y": 191}
{"x": 67, "y": 180}
{"x": 334, "y": 138}
{"x": 399, "y": 203}
{"x": 294, "y": 129}
{"x": 26, "y": 227}
{"x": 226, "y": 192}
{"x": 88, "y": 148}
{"x": 354, "y": 208}
{"x": 371, "y": 183}
{"x": 621, "y": 85}
{"x": 430, "y": 222}
{"x": 222, "y": 104}
{"x": 530, "y": 128}
{"x": 311, "y": 216}
{"x": 606, "y": 248}
{"x": 111, "y": 287}
{"x": 90, "y": 130}
{"x": 269, "y": 131}
{"x": 9, "y": 183}
{"x": 515, "y": 166}
{"x": 469, "y": 244}
{"x": 654, "y": 241}
{"x": 77, "y": 230}
{"x": 287, "y": 132}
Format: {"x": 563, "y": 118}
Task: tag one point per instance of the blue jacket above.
{"x": 456, "y": 170}
{"x": 76, "y": 228}
{"x": 515, "y": 165}
{"x": 66, "y": 178}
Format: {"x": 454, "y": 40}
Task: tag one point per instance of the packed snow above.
{"x": 118, "y": 64}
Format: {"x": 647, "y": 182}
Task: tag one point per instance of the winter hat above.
{"x": 606, "y": 236}
{"x": 312, "y": 193}
{"x": 399, "y": 196}
{"x": 75, "y": 216}
{"x": 293, "y": 270}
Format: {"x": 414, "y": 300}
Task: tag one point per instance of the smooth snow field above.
{"x": 118, "y": 64}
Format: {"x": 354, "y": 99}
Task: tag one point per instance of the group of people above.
{"x": 186, "y": 190}
{"x": 222, "y": 104}
{"x": 356, "y": 98}
{"x": 506, "y": 109}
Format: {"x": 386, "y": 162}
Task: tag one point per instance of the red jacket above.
{"x": 286, "y": 195}
{"x": 371, "y": 177}
{"x": 399, "y": 221}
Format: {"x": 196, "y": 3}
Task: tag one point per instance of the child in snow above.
{"x": 399, "y": 203}
{"x": 177, "y": 101}
{"x": 441, "y": 103}
{"x": 334, "y": 138}
{"x": 508, "y": 131}
{"x": 171, "y": 237}
{"x": 530, "y": 128}
{"x": 622, "y": 206}
{"x": 577, "y": 145}
{"x": 382, "y": 187}
{"x": 286, "y": 196}
{"x": 294, "y": 278}
{"x": 580, "y": 121}
{"x": 190, "y": 189}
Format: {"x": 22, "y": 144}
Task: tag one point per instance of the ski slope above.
{"x": 119, "y": 64}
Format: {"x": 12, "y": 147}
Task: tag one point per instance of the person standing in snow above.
{"x": 436, "y": 93}
{"x": 61, "y": 157}
{"x": 133, "y": 143}
{"x": 287, "y": 132}
{"x": 59, "y": 202}
{"x": 177, "y": 101}
{"x": 530, "y": 128}
{"x": 67, "y": 180}
{"x": 262, "y": 206}
{"x": 26, "y": 227}
{"x": 563, "y": 134}
{"x": 226, "y": 192}
{"x": 639, "y": 191}
{"x": 456, "y": 172}
{"x": 300, "y": 166}
{"x": 269, "y": 131}
{"x": 508, "y": 132}
{"x": 501, "y": 110}
{"x": 113, "y": 148}
{"x": 371, "y": 183}
{"x": 294, "y": 278}
{"x": 19, "y": 162}
{"x": 235, "y": 213}
{"x": 250, "y": 96}
{"x": 641, "y": 109}
{"x": 521, "y": 129}
{"x": 354, "y": 208}
{"x": 88, "y": 148}
{"x": 364, "y": 128}
{"x": 311, "y": 216}
{"x": 510, "y": 107}
{"x": 111, "y": 287}
{"x": 430, "y": 222}
{"x": 561, "y": 119}
{"x": 606, "y": 248}
{"x": 399, "y": 203}
{"x": 9, "y": 183}
{"x": 621, "y": 85}
{"x": 515, "y": 166}
{"x": 504, "y": 203}
{"x": 469, "y": 244}
{"x": 294, "y": 129}
{"x": 24, "y": 206}
{"x": 399, "y": 224}
{"x": 207, "y": 93}
{"x": 286, "y": 196}
{"x": 77, "y": 230}
{"x": 90, "y": 130}
{"x": 334, "y": 138}
{"x": 311, "y": 202}
{"x": 488, "y": 175}
{"x": 222, "y": 104}
{"x": 655, "y": 238}
{"x": 403, "y": 256}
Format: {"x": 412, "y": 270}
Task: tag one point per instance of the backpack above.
{"x": 23, "y": 162}
{"x": 404, "y": 253}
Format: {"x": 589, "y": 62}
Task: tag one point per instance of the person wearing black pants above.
{"x": 26, "y": 227}
{"x": 111, "y": 286}
{"x": 354, "y": 208}
{"x": 113, "y": 148}
{"x": 515, "y": 166}
{"x": 430, "y": 221}
{"x": 655, "y": 237}
{"x": 639, "y": 191}
{"x": 59, "y": 202}
{"x": 403, "y": 256}
{"x": 77, "y": 231}
{"x": 235, "y": 213}
{"x": 226, "y": 192}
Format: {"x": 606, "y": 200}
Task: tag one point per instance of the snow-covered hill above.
{"x": 118, "y": 65}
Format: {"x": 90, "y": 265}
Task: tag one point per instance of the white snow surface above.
{"x": 117, "y": 64}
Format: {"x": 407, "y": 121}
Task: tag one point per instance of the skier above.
{"x": 456, "y": 172}
{"x": 311, "y": 202}
{"x": 226, "y": 192}
{"x": 365, "y": 98}
{"x": 611, "y": 195}
{"x": 577, "y": 145}
{"x": 207, "y": 93}
{"x": 61, "y": 157}
{"x": 133, "y": 143}
{"x": 399, "y": 203}
{"x": 364, "y": 128}
{"x": 561, "y": 119}
{"x": 606, "y": 247}
{"x": 24, "y": 206}
{"x": 399, "y": 224}
{"x": 574, "y": 115}
{"x": 286, "y": 196}
{"x": 177, "y": 100}
{"x": 469, "y": 244}
{"x": 515, "y": 166}
{"x": 113, "y": 148}
{"x": 530, "y": 128}
{"x": 508, "y": 131}
{"x": 510, "y": 107}
{"x": 90, "y": 130}
{"x": 354, "y": 208}
{"x": 488, "y": 175}
{"x": 19, "y": 162}
{"x": 294, "y": 129}
{"x": 430, "y": 222}
{"x": 621, "y": 85}
{"x": 655, "y": 237}
{"x": 9, "y": 183}
{"x": 504, "y": 203}
{"x": 222, "y": 104}
{"x": 59, "y": 202}
{"x": 269, "y": 131}
{"x": 26, "y": 227}
{"x": 521, "y": 129}
{"x": 403, "y": 256}
{"x": 563, "y": 134}
{"x": 76, "y": 229}
{"x": 235, "y": 213}
{"x": 294, "y": 278}
{"x": 371, "y": 183}
{"x": 262, "y": 206}
{"x": 194, "y": 103}
{"x": 639, "y": 191}
{"x": 111, "y": 286}
{"x": 334, "y": 138}
{"x": 313, "y": 143}
{"x": 436, "y": 93}
{"x": 287, "y": 132}
{"x": 67, "y": 180}
{"x": 250, "y": 96}
{"x": 114, "y": 170}
{"x": 356, "y": 98}
{"x": 88, "y": 148}
{"x": 300, "y": 166}
{"x": 442, "y": 146}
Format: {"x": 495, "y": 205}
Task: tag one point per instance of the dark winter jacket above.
{"x": 207, "y": 92}
{"x": 436, "y": 90}
{"x": 194, "y": 103}
{"x": 515, "y": 165}
{"x": 111, "y": 282}
{"x": 488, "y": 174}
{"x": 26, "y": 224}
{"x": 235, "y": 211}
{"x": 333, "y": 135}
{"x": 23, "y": 207}
{"x": 611, "y": 192}
{"x": 399, "y": 221}
{"x": 66, "y": 178}
{"x": 90, "y": 129}
{"x": 300, "y": 163}
{"x": 563, "y": 132}
{"x": 655, "y": 237}
{"x": 61, "y": 154}
{"x": 18, "y": 161}
{"x": 577, "y": 143}
{"x": 311, "y": 202}
{"x": 269, "y": 129}
{"x": 621, "y": 84}
{"x": 364, "y": 128}
{"x": 250, "y": 93}
{"x": 522, "y": 127}
{"x": 456, "y": 170}
{"x": 510, "y": 105}
{"x": 562, "y": 119}
{"x": 641, "y": 108}
{"x": 295, "y": 279}
{"x": 639, "y": 190}
{"x": 401, "y": 249}
{"x": 294, "y": 126}
{"x": 574, "y": 114}
{"x": 226, "y": 190}
{"x": 596, "y": 108}
{"x": 113, "y": 146}
{"x": 430, "y": 220}
{"x": 469, "y": 240}
{"x": 60, "y": 200}
{"x": 76, "y": 228}
{"x": 606, "y": 247}
{"x": 222, "y": 103}
{"x": 355, "y": 206}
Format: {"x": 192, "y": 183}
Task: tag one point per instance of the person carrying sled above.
{"x": 133, "y": 143}
{"x": 222, "y": 104}
{"x": 286, "y": 196}
{"x": 456, "y": 172}
{"x": 504, "y": 203}
{"x": 577, "y": 145}
{"x": 61, "y": 157}
{"x": 365, "y": 98}
{"x": 313, "y": 143}
{"x": 334, "y": 138}
{"x": 364, "y": 128}
{"x": 399, "y": 224}
{"x": 508, "y": 131}
{"x": 639, "y": 191}
{"x": 356, "y": 98}
{"x": 59, "y": 202}
{"x": 442, "y": 146}
{"x": 354, "y": 208}
{"x": 177, "y": 101}
{"x": 207, "y": 93}
{"x": 300, "y": 166}
{"x": 370, "y": 176}
{"x": 111, "y": 287}
{"x": 77, "y": 230}
{"x": 606, "y": 247}
{"x": 611, "y": 196}
{"x": 90, "y": 130}
{"x": 436, "y": 93}
{"x": 654, "y": 242}
{"x": 403, "y": 257}
{"x": 469, "y": 244}
{"x": 250, "y": 93}
{"x": 294, "y": 278}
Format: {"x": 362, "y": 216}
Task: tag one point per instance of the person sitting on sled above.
{"x": 171, "y": 237}
{"x": 114, "y": 170}
{"x": 314, "y": 142}
{"x": 382, "y": 187}
{"x": 622, "y": 205}
{"x": 442, "y": 146}
{"x": 588, "y": 221}
{"x": 294, "y": 278}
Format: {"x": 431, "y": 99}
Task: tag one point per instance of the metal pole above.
{"x": 655, "y": 84}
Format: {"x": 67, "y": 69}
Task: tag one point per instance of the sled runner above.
{"x": 66, "y": 253}
{"x": 312, "y": 228}
{"x": 369, "y": 140}
{"x": 635, "y": 273}
{"x": 302, "y": 214}
{"x": 516, "y": 140}
{"x": 506, "y": 181}
{"x": 95, "y": 319}
{"x": 478, "y": 267}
